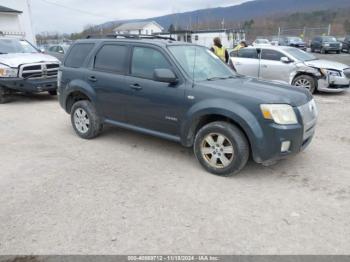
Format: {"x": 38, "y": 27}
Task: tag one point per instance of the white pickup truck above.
{"x": 24, "y": 69}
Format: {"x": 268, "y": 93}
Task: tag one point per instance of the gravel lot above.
{"x": 126, "y": 193}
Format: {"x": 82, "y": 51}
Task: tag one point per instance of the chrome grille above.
{"x": 40, "y": 70}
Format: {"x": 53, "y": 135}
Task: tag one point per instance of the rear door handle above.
{"x": 92, "y": 79}
{"x": 264, "y": 66}
{"x": 135, "y": 87}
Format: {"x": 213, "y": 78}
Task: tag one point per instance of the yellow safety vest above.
{"x": 220, "y": 52}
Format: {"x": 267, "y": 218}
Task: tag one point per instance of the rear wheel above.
{"x": 221, "y": 148}
{"x": 305, "y": 81}
{"x": 323, "y": 51}
{"x": 85, "y": 121}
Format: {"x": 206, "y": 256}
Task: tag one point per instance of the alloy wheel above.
{"x": 302, "y": 82}
{"x": 217, "y": 150}
{"x": 81, "y": 120}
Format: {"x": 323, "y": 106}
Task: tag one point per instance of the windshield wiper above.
{"x": 219, "y": 78}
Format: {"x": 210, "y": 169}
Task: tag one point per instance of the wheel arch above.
{"x": 233, "y": 113}
{"x": 76, "y": 91}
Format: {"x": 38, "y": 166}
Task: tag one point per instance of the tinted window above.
{"x": 145, "y": 60}
{"x": 271, "y": 55}
{"x": 112, "y": 58}
{"x": 78, "y": 54}
{"x": 248, "y": 53}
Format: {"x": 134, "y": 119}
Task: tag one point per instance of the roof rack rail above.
{"x": 130, "y": 36}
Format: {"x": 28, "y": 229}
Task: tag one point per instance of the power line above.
{"x": 76, "y": 9}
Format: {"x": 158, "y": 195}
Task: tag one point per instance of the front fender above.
{"x": 239, "y": 114}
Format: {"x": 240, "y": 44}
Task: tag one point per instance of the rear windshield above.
{"x": 78, "y": 54}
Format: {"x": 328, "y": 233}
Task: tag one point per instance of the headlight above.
{"x": 330, "y": 72}
{"x": 282, "y": 114}
{"x": 6, "y": 71}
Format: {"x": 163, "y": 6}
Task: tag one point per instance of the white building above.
{"x": 139, "y": 28}
{"x": 15, "y": 19}
{"x": 229, "y": 37}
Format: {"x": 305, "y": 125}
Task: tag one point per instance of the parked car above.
{"x": 24, "y": 69}
{"x": 275, "y": 40}
{"x": 261, "y": 42}
{"x": 293, "y": 41}
{"x": 292, "y": 66}
{"x": 58, "y": 51}
{"x": 182, "y": 92}
{"x": 346, "y": 44}
{"x": 325, "y": 44}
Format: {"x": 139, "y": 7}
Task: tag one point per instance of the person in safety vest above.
{"x": 219, "y": 50}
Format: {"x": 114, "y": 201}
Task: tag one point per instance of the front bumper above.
{"x": 332, "y": 48}
{"x": 299, "y": 136}
{"x": 333, "y": 84}
{"x": 29, "y": 85}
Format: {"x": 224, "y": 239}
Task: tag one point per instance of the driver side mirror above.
{"x": 165, "y": 75}
{"x": 285, "y": 60}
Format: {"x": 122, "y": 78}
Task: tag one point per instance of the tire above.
{"x": 3, "y": 97}
{"x": 53, "y": 92}
{"x": 322, "y": 51}
{"x": 85, "y": 121}
{"x": 224, "y": 136}
{"x": 305, "y": 81}
{"x": 338, "y": 52}
{"x": 312, "y": 50}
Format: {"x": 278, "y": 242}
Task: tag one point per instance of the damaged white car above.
{"x": 292, "y": 66}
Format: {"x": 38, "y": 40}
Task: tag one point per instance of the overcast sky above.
{"x": 69, "y": 16}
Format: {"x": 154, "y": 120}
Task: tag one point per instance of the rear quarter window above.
{"x": 78, "y": 54}
{"x": 112, "y": 58}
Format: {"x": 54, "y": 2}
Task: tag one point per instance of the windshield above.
{"x": 329, "y": 39}
{"x": 300, "y": 55}
{"x": 8, "y": 46}
{"x": 200, "y": 63}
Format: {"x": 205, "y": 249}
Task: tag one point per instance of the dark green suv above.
{"x": 184, "y": 93}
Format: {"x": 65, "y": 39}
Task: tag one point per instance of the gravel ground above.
{"x": 126, "y": 193}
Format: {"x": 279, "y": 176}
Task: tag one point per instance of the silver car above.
{"x": 292, "y": 66}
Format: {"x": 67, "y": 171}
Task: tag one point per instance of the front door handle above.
{"x": 238, "y": 63}
{"x": 264, "y": 66}
{"x": 135, "y": 87}
{"x": 92, "y": 79}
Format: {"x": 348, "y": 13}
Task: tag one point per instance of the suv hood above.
{"x": 262, "y": 91}
{"x": 17, "y": 59}
{"x": 326, "y": 64}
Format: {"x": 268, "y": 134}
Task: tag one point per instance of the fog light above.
{"x": 285, "y": 146}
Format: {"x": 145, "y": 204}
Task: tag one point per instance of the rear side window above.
{"x": 271, "y": 55}
{"x": 248, "y": 53}
{"x": 112, "y": 58}
{"x": 78, "y": 54}
{"x": 145, "y": 60}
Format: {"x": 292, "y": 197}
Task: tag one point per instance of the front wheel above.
{"x": 53, "y": 92}
{"x": 221, "y": 148}
{"x": 85, "y": 121}
{"x": 305, "y": 81}
{"x": 3, "y": 97}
